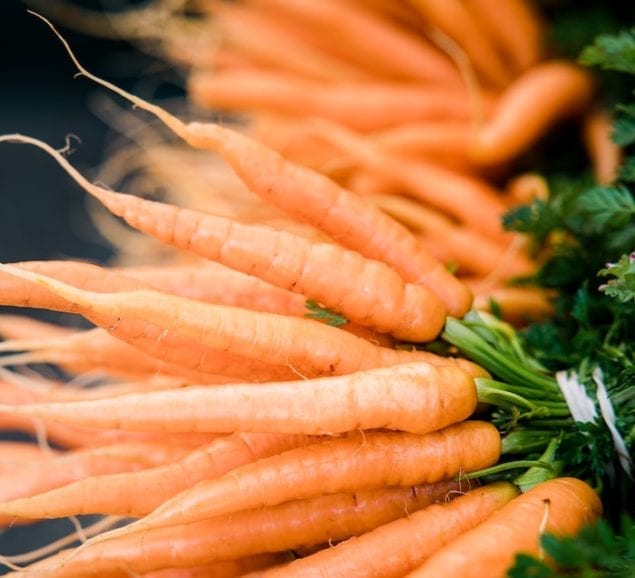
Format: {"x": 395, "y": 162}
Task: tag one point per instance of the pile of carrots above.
{"x": 232, "y": 434}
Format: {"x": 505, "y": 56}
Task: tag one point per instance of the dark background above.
{"x": 42, "y": 213}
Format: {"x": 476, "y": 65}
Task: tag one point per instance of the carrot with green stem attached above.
{"x": 289, "y": 526}
{"x": 560, "y": 506}
{"x": 358, "y": 461}
{"x": 417, "y": 398}
{"x": 313, "y": 198}
{"x": 264, "y": 338}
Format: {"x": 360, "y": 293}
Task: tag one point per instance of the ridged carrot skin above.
{"x": 560, "y": 506}
{"x": 399, "y": 546}
{"x": 417, "y": 398}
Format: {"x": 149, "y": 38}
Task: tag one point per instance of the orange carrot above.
{"x": 265, "y": 338}
{"x": 605, "y": 155}
{"x": 526, "y": 188}
{"x": 453, "y": 18}
{"x": 313, "y": 198}
{"x": 562, "y": 90}
{"x": 360, "y": 461}
{"x": 393, "y": 51}
{"x": 417, "y": 398}
{"x": 126, "y": 493}
{"x": 514, "y": 27}
{"x": 23, "y": 327}
{"x": 384, "y": 104}
{"x": 401, "y": 545}
{"x": 518, "y": 305}
{"x": 370, "y": 294}
{"x": 291, "y": 525}
{"x": 560, "y": 506}
{"x": 12, "y": 452}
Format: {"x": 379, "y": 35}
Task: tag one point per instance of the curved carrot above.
{"x": 515, "y": 28}
{"x": 605, "y": 155}
{"x": 560, "y": 506}
{"x": 542, "y": 96}
{"x": 315, "y": 199}
{"x": 370, "y": 294}
{"x": 127, "y": 494}
{"x": 322, "y": 350}
{"x": 291, "y": 525}
{"x": 365, "y": 461}
{"x": 401, "y": 545}
{"x": 416, "y": 398}
{"x": 453, "y": 18}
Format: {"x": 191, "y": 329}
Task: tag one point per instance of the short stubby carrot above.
{"x": 417, "y": 398}
{"x": 562, "y": 90}
{"x": 358, "y": 461}
{"x": 293, "y": 525}
{"x": 401, "y": 545}
{"x": 560, "y": 506}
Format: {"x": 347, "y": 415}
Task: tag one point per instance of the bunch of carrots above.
{"x": 266, "y": 403}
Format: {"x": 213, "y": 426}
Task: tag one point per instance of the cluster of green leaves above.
{"x": 596, "y": 552}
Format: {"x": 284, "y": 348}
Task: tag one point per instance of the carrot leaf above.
{"x": 321, "y": 313}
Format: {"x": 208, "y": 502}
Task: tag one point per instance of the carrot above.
{"x": 417, "y": 398}
{"x": 465, "y": 198}
{"x": 517, "y": 305}
{"x": 562, "y": 90}
{"x": 37, "y": 476}
{"x": 526, "y": 188}
{"x": 265, "y": 337}
{"x": 469, "y": 251}
{"x": 12, "y": 452}
{"x": 384, "y": 104}
{"x": 359, "y": 461}
{"x": 313, "y": 198}
{"x": 126, "y": 493}
{"x": 292, "y": 525}
{"x": 399, "y": 546}
{"x": 393, "y": 52}
{"x": 605, "y": 155}
{"x": 515, "y": 28}
{"x": 23, "y": 327}
{"x": 453, "y": 18}
{"x": 265, "y": 39}
{"x": 371, "y": 294}
{"x": 560, "y": 506}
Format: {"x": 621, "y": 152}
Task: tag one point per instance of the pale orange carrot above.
{"x": 384, "y": 104}
{"x": 416, "y": 398}
{"x": 393, "y": 51}
{"x": 12, "y": 452}
{"x": 518, "y": 305}
{"x": 560, "y": 506}
{"x": 360, "y": 461}
{"x": 399, "y": 546}
{"x": 526, "y": 188}
{"x": 315, "y": 199}
{"x": 453, "y": 18}
{"x": 23, "y": 327}
{"x": 292, "y": 525}
{"x": 606, "y": 156}
{"x": 370, "y": 294}
{"x": 264, "y": 338}
{"x": 561, "y": 88}
{"x": 514, "y": 26}
{"x": 126, "y": 493}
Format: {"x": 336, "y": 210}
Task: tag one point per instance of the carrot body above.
{"x": 291, "y": 525}
{"x": 357, "y": 462}
{"x": 542, "y": 96}
{"x": 126, "y": 494}
{"x": 605, "y": 155}
{"x": 384, "y": 105}
{"x": 566, "y": 504}
{"x": 323, "y": 350}
{"x": 401, "y": 545}
{"x": 418, "y": 398}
